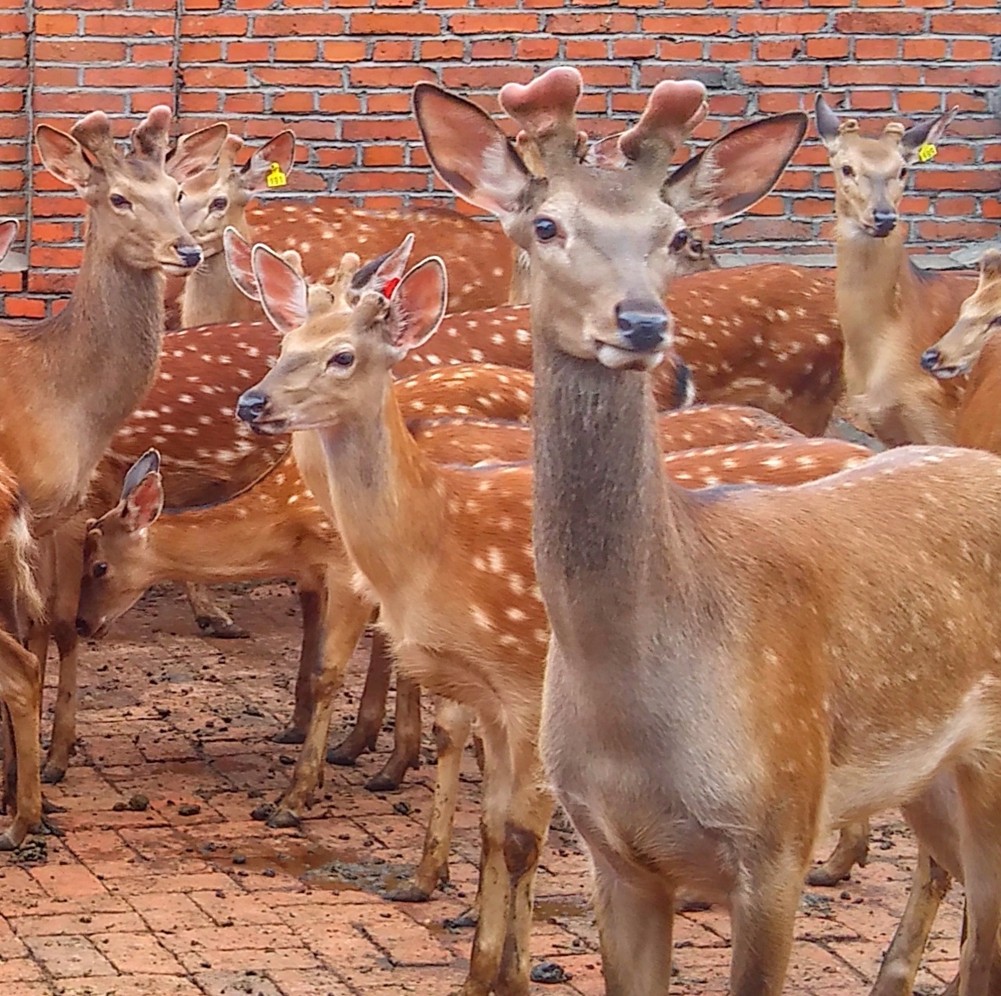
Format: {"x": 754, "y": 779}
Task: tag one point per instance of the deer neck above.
{"x": 614, "y": 540}
{"x": 387, "y": 499}
{"x": 210, "y": 297}
{"x": 874, "y": 280}
{"x": 79, "y": 375}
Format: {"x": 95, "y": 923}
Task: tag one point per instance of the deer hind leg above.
{"x": 212, "y": 619}
{"x": 763, "y": 915}
{"x": 852, "y": 849}
{"x": 310, "y": 664}
{"x": 346, "y": 616}
{"x": 406, "y": 737}
{"x": 372, "y": 708}
{"x": 20, "y": 690}
{"x": 453, "y": 723}
{"x": 929, "y": 886}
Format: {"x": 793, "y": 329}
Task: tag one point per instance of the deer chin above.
{"x": 951, "y": 370}
{"x": 272, "y": 426}
{"x": 618, "y": 358}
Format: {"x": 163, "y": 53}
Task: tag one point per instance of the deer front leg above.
{"x": 452, "y": 727}
{"x": 371, "y": 709}
{"x": 345, "y": 618}
{"x": 406, "y": 736}
{"x": 763, "y": 915}
{"x": 20, "y": 691}
{"x": 212, "y": 619}
{"x": 310, "y": 664}
{"x": 852, "y": 849}
{"x": 635, "y": 926}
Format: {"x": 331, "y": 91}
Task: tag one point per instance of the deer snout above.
{"x": 642, "y": 325}
{"x": 883, "y": 222}
{"x": 82, "y": 626}
{"x": 189, "y": 254}
{"x": 251, "y": 405}
{"x": 930, "y": 359}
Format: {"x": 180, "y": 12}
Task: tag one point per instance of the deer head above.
{"x": 598, "y": 223}
{"x": 114, "y": 576}
{"x": 132, "y": 195}
{"x": 979, "y": 319}
{"x": 334, "y": 362}
{"x": 216, "y": 199}
{"x": 8, "y": 232}
{"x": 870, "y": 174}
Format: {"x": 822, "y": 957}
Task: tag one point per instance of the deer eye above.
{"x": 847, "y": 170}
{"x": 120, "y": 202}
{"x": 343, "y": 359}
{"x": 219, "y": 204}
{"x": 679, "y": 240}
{"x": 99, "y": 569}
{"x": 545, "y": 229}
{"x": 903, "y": 172}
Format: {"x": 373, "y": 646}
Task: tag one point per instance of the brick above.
{"x": 879, "y": 23}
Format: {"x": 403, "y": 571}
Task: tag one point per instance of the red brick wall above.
{"x": 339, "y": 72}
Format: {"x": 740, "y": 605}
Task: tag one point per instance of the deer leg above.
{"x": 852, "y": 849}
{"x": 763, "y": 916}
{"x": 525, "y": 831}
{"x": 372, "y": 709}
{"x": 929, "y": 885}
{"x": 345, "y": 618}
{"x": 20, "y": 691}
{"x": 310, "y": 664}
{"x": 453, "y": 723}
{"x": 406, "y": 737}
{"x": 67, "y": 700}
{"x": 212, "y": 619}
{"x": 635, "y": 926}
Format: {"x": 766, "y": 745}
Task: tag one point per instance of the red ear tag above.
{"x": 389, "y": 286}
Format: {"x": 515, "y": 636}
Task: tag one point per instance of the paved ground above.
{"x": 156, "y": 902}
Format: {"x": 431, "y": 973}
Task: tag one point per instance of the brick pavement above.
{"x": 157, "y": 903}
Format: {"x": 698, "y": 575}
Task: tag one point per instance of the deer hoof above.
{"x": 408, "y": 894}
{"x": 289, "y": 736}
{"x": 53, "y": 774}
{"x": 284, "y": 819}
{"x": 221, "y": 629}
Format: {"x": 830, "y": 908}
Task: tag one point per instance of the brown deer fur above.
{"x": 725, "y": 674}
{"x": 889, "y": 310}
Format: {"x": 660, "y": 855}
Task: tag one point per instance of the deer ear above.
{"x": 148, "y": 463}
{"x": 144, "y": 503}
{"x": 736, "y": 171}
{"x": 990, "y": 266}
{"x": 828, "y": 125}
{"x": 283, "y": 292}
{"x": 63, "y": 156}
{"x": 239, "y": 262}
{"x": 419, "y": 302}
{"x": 196, "y": 151}
{"x": 469, "y": 152}
{"x": 384, "y": 273}
{"x": 926, "y": 133}
{"x": 280, "y": 150}
{"x": 8, "y": 232}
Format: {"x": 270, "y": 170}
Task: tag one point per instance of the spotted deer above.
{"x": 453, "y": 574}
{"x": 98, "y": 355}
{"x": 889, "y": 310}
{"x": 759, "y": 691}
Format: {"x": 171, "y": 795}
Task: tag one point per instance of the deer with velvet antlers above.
{"x": 729, "y": 671}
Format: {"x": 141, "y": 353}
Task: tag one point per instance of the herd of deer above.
{"x": 708, "y": 631}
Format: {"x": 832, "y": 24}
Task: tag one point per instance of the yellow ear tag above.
{"x": 927, "y": 152}
{"x": 276, "y": 178}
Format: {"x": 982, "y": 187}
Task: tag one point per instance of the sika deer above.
{"x": 98, "y": 355}
{"x": 758, "y": 691}
{"x": 463, "y": 617}
{"x": 889, "y": 310}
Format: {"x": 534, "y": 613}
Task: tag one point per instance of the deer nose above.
{"x": 884, "y": 222}
{"x": 930, "y": 359}
{"x": 251, "y": 406}
{"x": 191, "y": 256}
{"x": 643, "y": 325}
{"x": 82, "y": 626}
